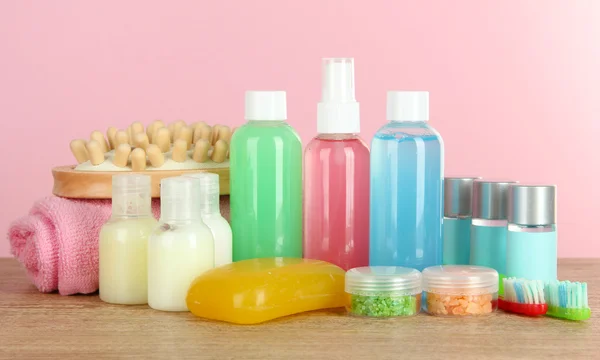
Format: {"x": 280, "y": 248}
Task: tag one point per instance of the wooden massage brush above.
{"x": 158, "y": 150}
{"x": 137, "y": 147}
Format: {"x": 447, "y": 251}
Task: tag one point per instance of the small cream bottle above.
{"x": 182, "y": 246}
{"x": 211, "y": 215}
{"x": 124, "y": 242}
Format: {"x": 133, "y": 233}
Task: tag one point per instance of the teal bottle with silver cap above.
{"x": 458, "y": 193}
{"x": 532, "y": 241}
{"x": 488, "y": 228}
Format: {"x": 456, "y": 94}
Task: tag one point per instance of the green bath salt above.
{"x": 382, "y": 305}
{"x": 383, "y": 291}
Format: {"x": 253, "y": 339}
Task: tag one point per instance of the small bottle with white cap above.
{"x": 407, "y": 175}
{"x": 124, "y": 242}
{"x": 266, "y": 181}
{"x": 531, "y": 244}
{"x": 211, "y": 215}
{"x": 336, "y": 175}
{"x": 182, "y": 246}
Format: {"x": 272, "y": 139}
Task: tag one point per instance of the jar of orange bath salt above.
{"x": 461, "y": 290}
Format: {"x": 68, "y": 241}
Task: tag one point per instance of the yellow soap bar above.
{"x": 258, "y": 290}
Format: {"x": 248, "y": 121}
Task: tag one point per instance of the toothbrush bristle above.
{"x": 566, "y": 294}
{"x": 524, "y": 291}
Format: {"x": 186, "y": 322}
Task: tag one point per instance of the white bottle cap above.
{"x": 338, "y": 112}
{"x": 209, "y": 192}
{"x": 179, "y": 199}
{"x": 266, "y": 105}
{"x": 408, "y": 105}
{"x": 131, "y": 195}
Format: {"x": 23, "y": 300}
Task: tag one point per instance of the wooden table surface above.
{"x": 35, "y": 325}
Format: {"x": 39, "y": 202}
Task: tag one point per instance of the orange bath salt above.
{"x": 460, "y": 290}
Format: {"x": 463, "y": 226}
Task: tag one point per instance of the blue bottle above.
{"x": 488, "y": 229}
{"x": 407, "y": 172}
{"x": 531, "y": 250}
{"x": 458, "y": 193}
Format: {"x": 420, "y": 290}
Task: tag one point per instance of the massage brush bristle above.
{"x": 138, "y": 159}
{"x": 134, "y": 129}
{"x": 122, "y": 155}
{"x": 174, "y": 128}
{"x": 219, "y": 151}
{"x": 215, "y": 134}
{"x": 138, "y": 146}
{"x": 79, "y": 150}
{"x": 140, "y": 140}
{"x": 121, "y": 137}
{"x": 224, "y": 134}
{"x": 156, "y": 157}
{"x": 232, "y": 132}
{"x": 186, "y": 134}
{"x": 99, "y": 137}
{"x": 137, "y": 128}
{"x": 110, "y": 135}
{"x": 202, "y": 132}
{"x": 201, "y": 151}
{"x": 151, "y": 130}
{"x": 179, "y": 152}
{"x": 163, "y": 139}
{"x": 95, "y": 152}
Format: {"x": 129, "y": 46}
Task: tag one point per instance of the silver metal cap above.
{"x": 458, "y": 192}
{"x": 490, "y": 199}
{"x": 532, "y": 204}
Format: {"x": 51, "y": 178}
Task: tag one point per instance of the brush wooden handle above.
{"x": 75, "y": 184}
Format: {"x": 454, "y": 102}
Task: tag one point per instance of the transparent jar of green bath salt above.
{"x": 383, "y": 291}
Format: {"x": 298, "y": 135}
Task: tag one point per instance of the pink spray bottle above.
{"x": 336, "y": 175}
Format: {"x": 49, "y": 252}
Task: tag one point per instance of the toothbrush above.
{"x": 567, "y": 300}
{"x": 522, "y": 296}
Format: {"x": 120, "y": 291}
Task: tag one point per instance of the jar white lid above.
{"x": 462, "y": 278}
{"x": 400, "y": 280}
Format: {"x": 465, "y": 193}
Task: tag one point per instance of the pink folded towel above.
{"x": 58, "y": 243}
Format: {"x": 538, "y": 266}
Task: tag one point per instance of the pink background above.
{"x": 514, "y": 84}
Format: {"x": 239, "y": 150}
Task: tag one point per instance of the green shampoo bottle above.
{"x": 266, "y": 181}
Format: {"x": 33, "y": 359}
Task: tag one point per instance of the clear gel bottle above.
{"x": 211, "y": 215}
{"x": 181, "y": 248}
{"x": 336, "y": 175}
{"x": 407, "y": 174}
{"x": 124, "y": 242}
{"x": 488, "y": 228}
{"x": 266, "y": 181}
{"x": 532, "y": 239}
{"x": 458, "y": 193}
